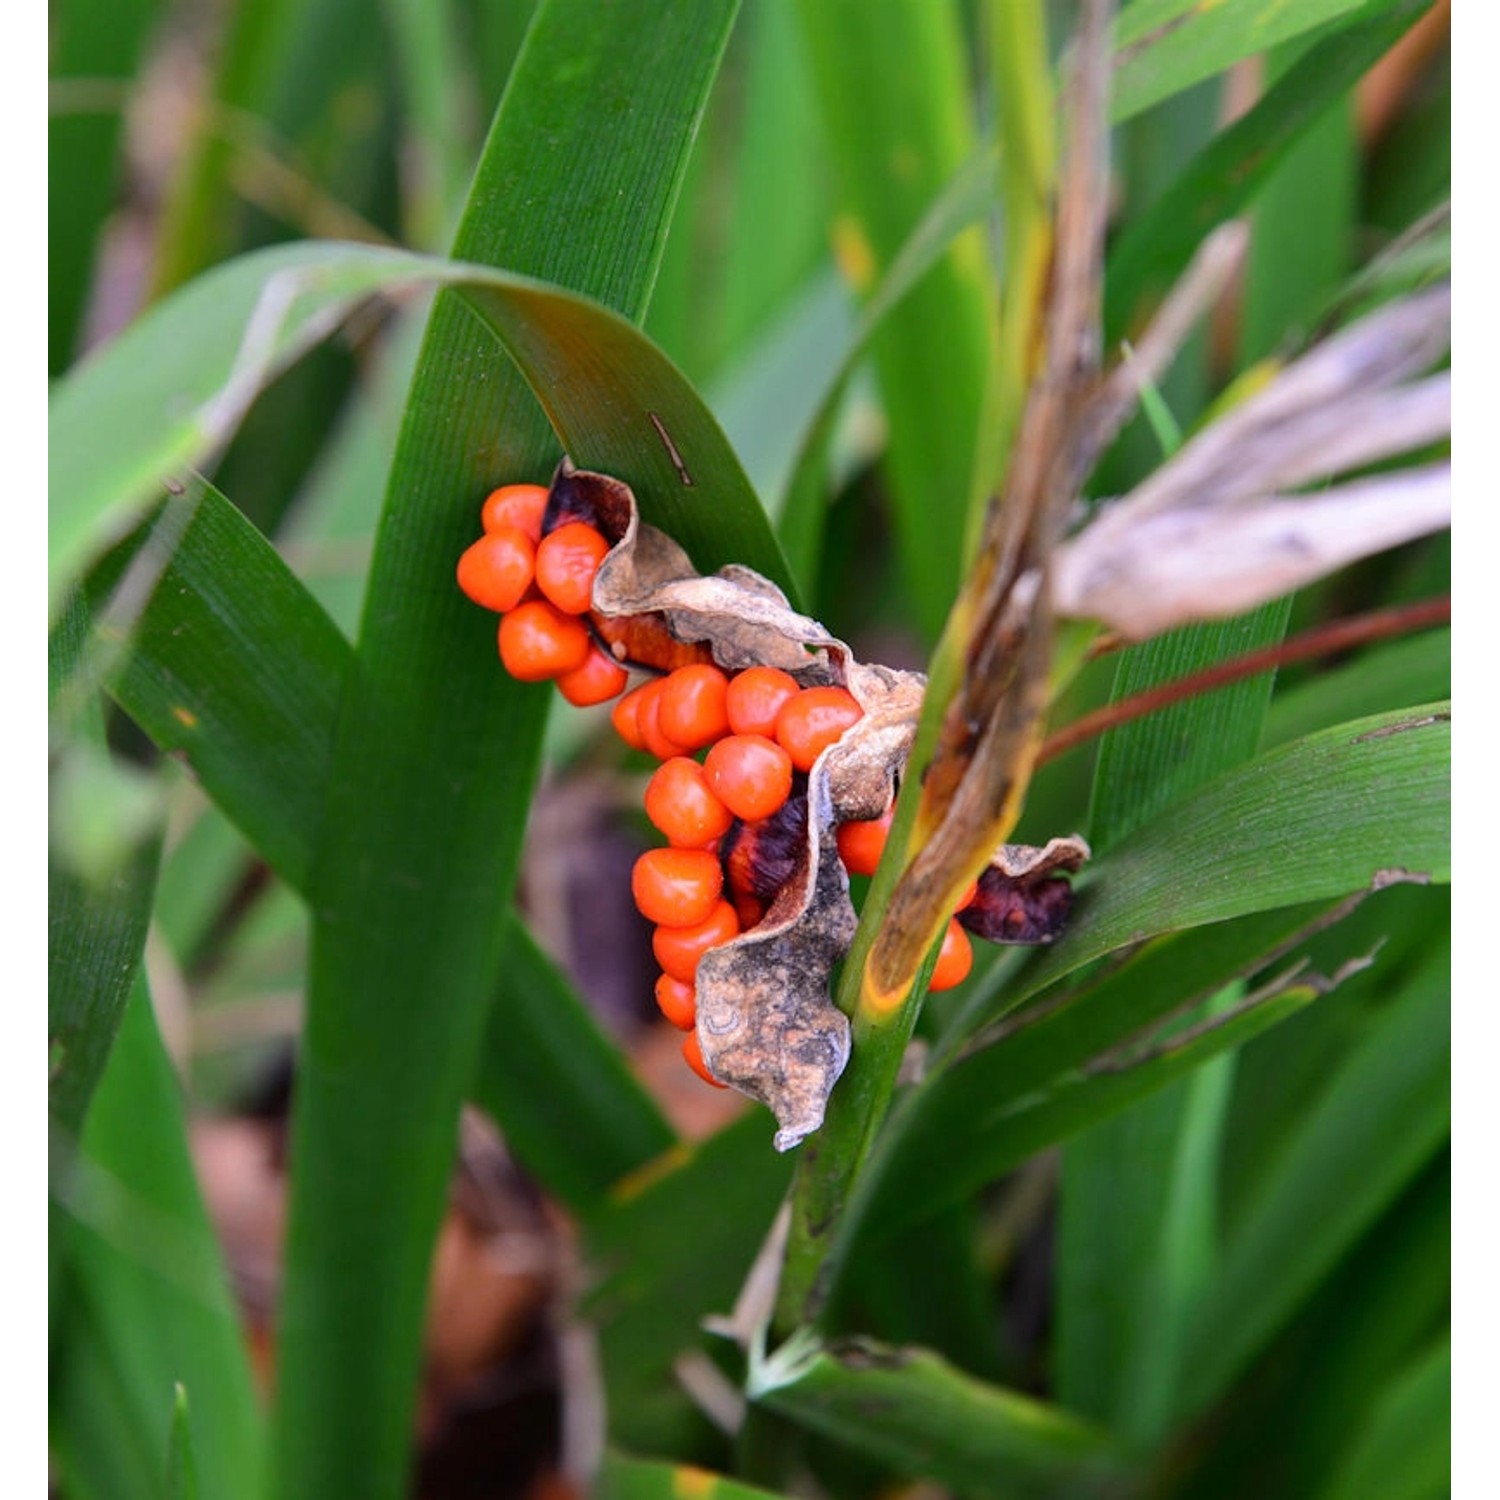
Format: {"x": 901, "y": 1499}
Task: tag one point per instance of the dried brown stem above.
{"x": 1321, "y": 640}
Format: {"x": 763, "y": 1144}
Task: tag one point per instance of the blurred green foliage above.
{"x": 1167, "y": 1215}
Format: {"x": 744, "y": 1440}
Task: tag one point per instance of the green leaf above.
{"x": 329, "y": 529}
{"x": 803, "y": 508}
{"x": 232, "y": 666}
{"x": 1166, "y": 48}
{"x": 670, "y": 1246}
{"x": 437, "y": 155}
{"x": 436, "y": 752}
{"x": 229, "y": 664}
{"x": 934, "y": 1422}
{"x": 1138, "y": 1193}
{"x": 93, "y": 49}
{"x": 936, "y": 1149}
{"x": 96, "y": 929}
{"x": 1061, "y": 1066}
{"x": 1302, "y": 245}
{"x": 934, "y": 352}
{"x": 148, "y": 1283}
{"x": 95, "y": 940}
{"x": 1402, "y": 1453}
{"x": 1316, "y": 1383}
{"x": 182, "y": 1462}
{"x": 749, "y": 230}
{"x": 1225, "y": 176}
{"x": 172, "y": 389}
{"x": 1396, "y": 675}
{"x": 777, "y": 231}
{"x": 569, "y": 1107}
{"x": 1383, "y": 1115}
{"x": 285, "y": 75}
{"x": 1144, "y": 766}
{"x": 1315, "y": 819}
{"x": 1145, "y": 1184}
{"x": 764, "y": 396}
{"x": 624, "y": 1478}
{"x": 1281, "y": 1079}
{"x": 930, "y": 1284}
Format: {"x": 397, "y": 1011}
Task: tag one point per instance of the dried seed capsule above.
{"x": 1012, "y": 910}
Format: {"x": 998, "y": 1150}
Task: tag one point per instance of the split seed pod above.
{"x": 766, "y": 1024}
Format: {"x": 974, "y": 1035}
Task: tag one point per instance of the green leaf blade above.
{"x": 935, "y": 1422}
{"x": 567, "y": 1104}
{"x": 1347, "y": 1162}
{"x": 1183, "y": 49}
{"x": 1318, "y": 818}
{"x": 593, "y": 128}
{"x": 934, "y": 352}
{"x": 148, "y": 1278}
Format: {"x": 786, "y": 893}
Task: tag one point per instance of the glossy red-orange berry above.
{"x": 676, "y": 887}
{"x": 497, "y": 570}
{"x": 518, "y": 505}
{"x": 692, "y": 706}
{"x": 538, "y": 642}
{"x": 599, "y": 679}
{"x": 678, "y": 949}
{"x": 566, "y": 562}
{"x": 677, "y": 1001}
{"x": 756, "y": 696}
{"x": 625, "y": 716}
{"x": 862, "y": 843}
{"x": 648, "y": 722}
{"x": 680, "y": 804}
{"x": 955, "y": 958}
{"x": 813, "y": 720}
{"x": 749, "y": 774}
{"x": 693, "y": 1055}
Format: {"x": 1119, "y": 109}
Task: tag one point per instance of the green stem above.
{"x": 833, "y": 1160}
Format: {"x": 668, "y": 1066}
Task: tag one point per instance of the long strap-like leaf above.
{"x": 436, "y": 754}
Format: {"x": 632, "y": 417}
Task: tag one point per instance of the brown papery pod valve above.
{"x": 767, "y": 1024}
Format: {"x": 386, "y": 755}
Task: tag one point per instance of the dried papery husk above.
{"x": 766, "y": 1024}
{"x": 1220, "y": 527}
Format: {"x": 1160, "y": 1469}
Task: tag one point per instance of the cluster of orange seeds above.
{"x": 542, "y": 588}
{"x": 730, "y": 794}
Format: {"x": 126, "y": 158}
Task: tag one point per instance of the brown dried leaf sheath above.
{"x": 766, "y": 1024}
